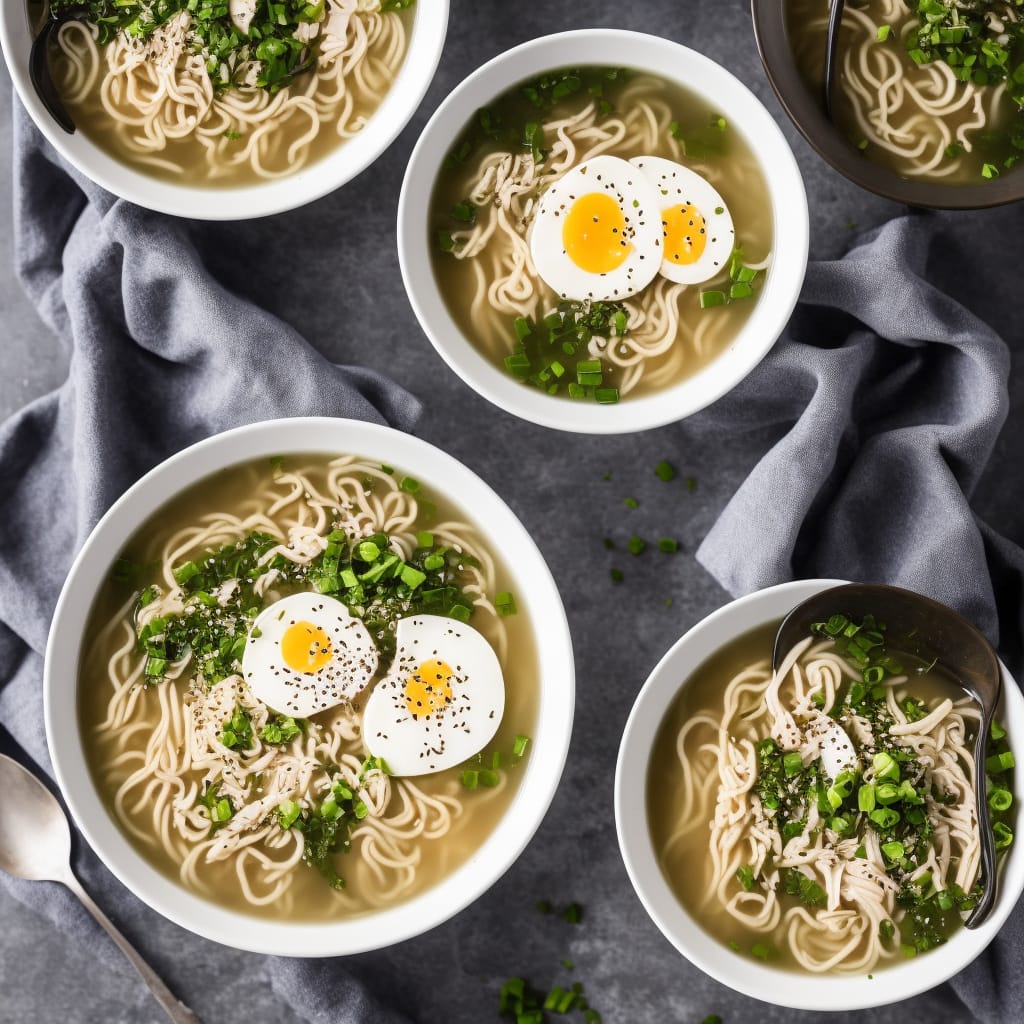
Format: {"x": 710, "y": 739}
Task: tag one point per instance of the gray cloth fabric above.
{"x": 891, "y": 396}
{"x": 162, "y": 356}
{"x": 896, "y": 394}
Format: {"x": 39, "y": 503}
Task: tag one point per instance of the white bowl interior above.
{"x": 724, "y": 93}
{"x": 426, "y": 41}
{"x": 784, "y": 988}
{"x": 535, "y": 592}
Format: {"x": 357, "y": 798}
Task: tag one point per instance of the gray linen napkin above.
{"x": 161, "y": 356}
{"x": 891, "y": 396}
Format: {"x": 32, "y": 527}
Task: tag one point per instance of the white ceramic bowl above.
{"x": 534, "y": 589}
{"x": 782, "y": 987}
{"x": 426, "y": 41}
{"x": 675, "y": 63}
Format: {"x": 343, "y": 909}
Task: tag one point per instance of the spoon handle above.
{"x": 176, "y": 1010}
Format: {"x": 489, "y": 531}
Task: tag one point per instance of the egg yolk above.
{"x": 594, "y": 234}
{"x": 429, "y": 688}
{"x": 685, "y": 234}
{"x": 305, "y": 647}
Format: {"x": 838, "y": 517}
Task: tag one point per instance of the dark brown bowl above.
{"x": 807, "y": 111}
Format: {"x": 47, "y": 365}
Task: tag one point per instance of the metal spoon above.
{"x": 835, "y": 20}
{"x": 924, "y": 628}
{"x": 39, "y": 70}
{"x": 35, "y": 843}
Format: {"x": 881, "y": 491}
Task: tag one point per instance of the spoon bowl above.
{"x": 923, "y": 628}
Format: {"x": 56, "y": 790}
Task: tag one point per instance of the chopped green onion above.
{"x": 894, "y": 850}
{"x": 884, "y": 817}
{"x": 998, "y": 763}
{"x": 1003, "y": 835}
{"x": 1000, "y": 800}
{"x": 668, "y": 545}
{"x": 636, "y": 545}
{"x": 412, "y": 577}
{"x": 710, "y": 297}
{"x": 885, "y": 767}
{"x": 664, "y": 471}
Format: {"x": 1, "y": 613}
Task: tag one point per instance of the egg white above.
{"x": 420, "y": 744}
{"x": 676, "y": 185}
{"x": 637, "y": 200}
{"x": 352, "y": 663}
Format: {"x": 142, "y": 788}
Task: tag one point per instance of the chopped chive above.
{"x": 573, "y": 913}
{"x": 665, "y": 471}
{"x": 668, "y": 545}
{"x": 998, "y": 763}
{"x": 636, "y": 545}
{"x": 632, "y": 503}
{"x": 412, "y": 577}
{"x": 616, "y": 575}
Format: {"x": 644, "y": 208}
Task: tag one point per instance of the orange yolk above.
{"x": 429, "y": 688}
{"x": 684, "y": 234}
{"x": 305, "y": 647}
{"x": 594, "y": 234}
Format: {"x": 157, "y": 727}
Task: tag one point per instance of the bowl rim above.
{"x": 238, "y": 202}
{"x": 725, "y": 92}
{"x": 808, "y": 115}
{"x": 814, "y": 992}
{"x": 500, "y": 527}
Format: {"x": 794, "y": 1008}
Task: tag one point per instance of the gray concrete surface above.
{"x": 556, "y": 484}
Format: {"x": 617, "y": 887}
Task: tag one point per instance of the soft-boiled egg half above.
{"x": 607, "y": 228}
{"x": 596, "y": 234}
{"x": 440, "y": 702}
{"x": 306, "y": 653}
{"x": 697, "y": 231}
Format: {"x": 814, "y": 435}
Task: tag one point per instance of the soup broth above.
{"x": 831, "y": 892}
{"x": 180, "y": 770}
{"x": 199, "y": 102}
{"x": 489, "y": 199}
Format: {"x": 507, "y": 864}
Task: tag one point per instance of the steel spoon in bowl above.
{"x": 835, "y": 21}
{"x": 39, "y": 66}
{"x": 924, "y": 627}
{"x": 35, "y": 843}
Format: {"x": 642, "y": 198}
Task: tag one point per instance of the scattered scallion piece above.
{"x": 636, "y": 545}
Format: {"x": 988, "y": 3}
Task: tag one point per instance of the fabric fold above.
{"x": 161, "y": 356}
{"x": 893, "y": 395}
